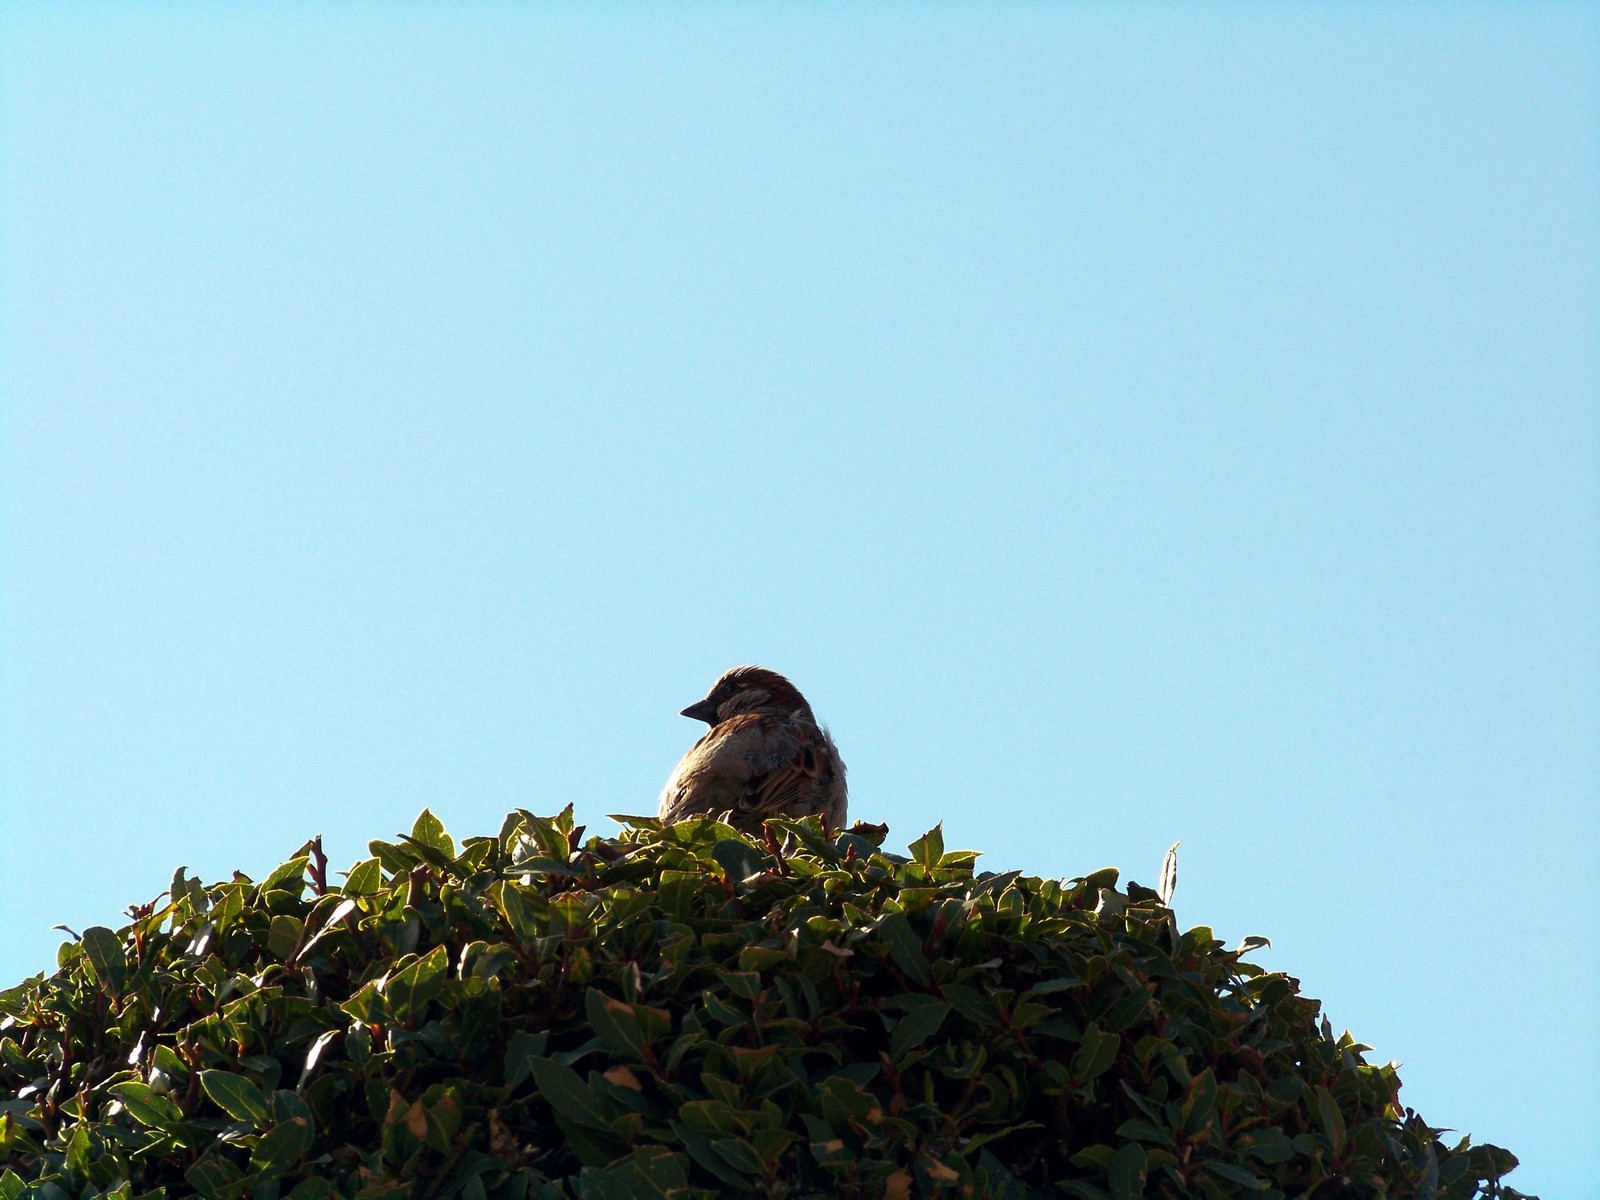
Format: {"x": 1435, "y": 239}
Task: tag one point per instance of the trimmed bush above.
{"x": 689, "y": 1012}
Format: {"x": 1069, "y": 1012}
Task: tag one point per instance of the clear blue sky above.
{"x": 1124, "y": 423}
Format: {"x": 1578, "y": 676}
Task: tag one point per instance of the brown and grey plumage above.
{"x": 765, "y": 756}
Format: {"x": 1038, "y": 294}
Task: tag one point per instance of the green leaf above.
{"x": 79, "y": 1147}
{"x": 905, "y": 947}
{"x": 12, "y": 1186}
{"x": 1060, "y": 983}
{"x": 738, "y": 1154}
{"x": 916, "y": 1027}
{"x": 103, "y": 950}
{"x": 521, "y": 1053}
{"x": 236, "y": 1096}
{"x": 1200, "y": 1104}
{"x": 440, "y": 1108}
{"x": 395, "y": 859}
{"x": 283, "y": 936}
{"x": 1268, "y": 1145}
{"x": 743, "y": 985}
{"x": 363, "y": 879}
{"x": 518, "y": 912}
{"x": 411, "y": 988}
{"x": 288, "y": 1106}
{"x": 1286, "y": 1089}
{"x": 1144, "y": 1131}
{"x": 1126, "y": 1011}
{"x": 928, "y": 849}
{"x": 293, "y": 870}
{"x": 738, "y": 858}
{"x": 568, "y": 1094}
{"x": 1127, "y": 1172}
{"x": 615, "y": 1023}
{"x": 282, "y": 1148}
{"x": 548, "y": 836}
{"x": 1330, "y": 1116}
{"x": 215, "y": 1177}
{"x": 227, "y": 906}
{"x": 1105, "y": 877}
{"x": 331, "y": 924}
{"x": 679, "y": 891}
{"x": 184, "y": 889}
{"x": 1096, "y": 1054}
{"x": 654, "y": 1173}
{"x": 314, "y": 1055}
{"x": 713, "y": 1117}
{"x": 1235, "y": 1174}
{"x": 429, "y": 830}
{"x": 700, "y": 1150}
{"x": 367, "y": 1005}
{"x": 762, "y": 958}
{"x": 145, "y": 1107}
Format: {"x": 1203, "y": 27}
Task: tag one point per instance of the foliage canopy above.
{"x": 689, "y": 1012}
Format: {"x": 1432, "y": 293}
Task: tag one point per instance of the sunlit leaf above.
{"x": 236, "y": 1096}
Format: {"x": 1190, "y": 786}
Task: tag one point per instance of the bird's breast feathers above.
{"x": 758, "y": 765}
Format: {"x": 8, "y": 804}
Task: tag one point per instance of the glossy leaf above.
{"x": 145, "y": 1106}
{"x": 568, "y": 1094}
{"x": 104, "y": 951}
{"x": 282, "y": 1147}
{"x": 236, "y": 1096}
{"x": 928, "y": 849}
{"x": 429, "y": 830}
{"x": 916, "y": 1027}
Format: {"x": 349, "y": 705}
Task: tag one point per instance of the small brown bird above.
{"x": 765, "y": 756}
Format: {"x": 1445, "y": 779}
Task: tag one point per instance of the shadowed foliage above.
{"x": 690, "y": 1012}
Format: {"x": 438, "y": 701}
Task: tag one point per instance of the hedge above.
{"x": 688, "y": 1011}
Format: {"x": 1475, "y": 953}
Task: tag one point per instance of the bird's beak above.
{"x": 702, "y": 710}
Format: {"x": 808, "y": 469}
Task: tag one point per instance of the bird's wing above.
{"x": 755, "y": 765}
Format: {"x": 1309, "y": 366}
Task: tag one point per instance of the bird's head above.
{"x": 748, "y": 690}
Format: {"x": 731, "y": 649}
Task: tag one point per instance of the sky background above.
{"x": 1125, "y": 424}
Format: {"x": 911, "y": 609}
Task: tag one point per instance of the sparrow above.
{"x": 765, "y": 756}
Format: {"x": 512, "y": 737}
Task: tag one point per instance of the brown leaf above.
{"x": 623, "y": 1077}
{"x": 417, "y": 1119}
{"x": 397, "y": 1108}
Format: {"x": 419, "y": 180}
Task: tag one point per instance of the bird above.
{"x": 764, "y": 756}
